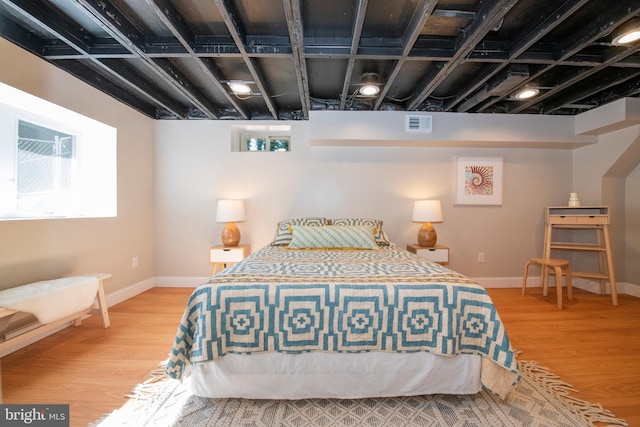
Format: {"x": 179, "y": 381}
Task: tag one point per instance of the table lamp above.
{"x": 426, "y": 212}
{"x": 230, "y": 211}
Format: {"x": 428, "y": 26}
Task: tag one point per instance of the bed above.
{"x": 322, "y": 312}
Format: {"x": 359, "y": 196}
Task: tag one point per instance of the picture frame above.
{"x": 478, "y": 180}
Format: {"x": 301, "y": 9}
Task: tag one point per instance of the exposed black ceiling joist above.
{"x": 589, "y": 88}
{"x": 234, "y": 28}
{"x": 45, "y": 20}
{"x": 526, "y": 38}
{"x": 174, "y": 58}
{"x": 601, "y": 25}
{"x": 491, "y": 14}
{"x": 83, "y": 71}
{"x": 295, "y": 28}
{"x": 111, "y": 19}
{"x": 173, "y": 21}
{"x": 356, "y": 33}
{"x": 419, "y": 18}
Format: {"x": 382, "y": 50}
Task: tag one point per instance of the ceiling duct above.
{"x": 501, "y": 85}
{"x": 514, "y": 76}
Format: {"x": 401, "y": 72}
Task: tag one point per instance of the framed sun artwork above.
{"x": 478, "y": 181}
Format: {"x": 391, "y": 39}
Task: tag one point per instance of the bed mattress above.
{"x": 335, "y": 376}
{"x": 357, "y": 302}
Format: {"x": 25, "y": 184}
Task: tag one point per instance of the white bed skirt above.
{"x": 343, "y": 375}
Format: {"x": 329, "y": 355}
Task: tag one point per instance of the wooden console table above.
{"x": 594, "y": 218}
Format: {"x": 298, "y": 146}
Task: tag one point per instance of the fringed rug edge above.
{"x": 556, "y": 388}
{"x": 547, "y": 381}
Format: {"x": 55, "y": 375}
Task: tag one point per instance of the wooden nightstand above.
{"x": 221, "y": 256}
{"x": 438, "y": 253}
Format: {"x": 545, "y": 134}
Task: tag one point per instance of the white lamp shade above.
{"x": 230, "y": 211}
{"x": 427, "y": 211}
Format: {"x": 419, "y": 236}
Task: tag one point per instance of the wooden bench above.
{"x": 11, "y": 341}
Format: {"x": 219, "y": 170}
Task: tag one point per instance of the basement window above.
{"x": 253, "y": 138}
{"x": 54, "y": 163}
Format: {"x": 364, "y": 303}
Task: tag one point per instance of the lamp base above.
{"x": 427, "y": 235}
{"x": 231, "y": 234}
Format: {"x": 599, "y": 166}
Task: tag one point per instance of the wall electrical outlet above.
{"x": 480, "y": 256}
{"x": 134, "y": 262}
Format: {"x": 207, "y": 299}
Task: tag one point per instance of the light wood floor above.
{"x": 589, "y": 344}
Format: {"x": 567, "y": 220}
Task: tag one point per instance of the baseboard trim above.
{"x": 179, "y": 282}
{"x": 130, "y": 291}
{"x": 629, "y": 289}
{"x": 505, "y": 282}
{"x": 624, "y": 288}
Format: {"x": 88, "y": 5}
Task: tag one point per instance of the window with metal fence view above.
{"x": 45, "y": 167}
{"x": 54, "y": 163}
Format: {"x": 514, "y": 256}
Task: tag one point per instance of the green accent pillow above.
{"x": 376, "y": 224}
{"x": 283, "y": 234}
{"x": 333, "y": 237}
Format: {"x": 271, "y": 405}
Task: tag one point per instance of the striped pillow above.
{"x": 283, "y": 234}
{"x": 376, "y": 224}
{"x": 333, "y": 237}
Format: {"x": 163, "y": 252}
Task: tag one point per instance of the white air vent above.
{"x": 418, "y": 123}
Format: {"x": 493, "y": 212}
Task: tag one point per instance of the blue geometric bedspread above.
{"x": 293, "y": 301}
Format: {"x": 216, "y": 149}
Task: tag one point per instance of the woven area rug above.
{"x": 540, "y": 399}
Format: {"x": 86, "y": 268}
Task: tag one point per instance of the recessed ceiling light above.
{"x": 370, "y": 83}
{"x": 527, "y": 92}
{"x": 240, "y": 88}
{"x": 627, "y": 33}
{"x": 369, "y": 90}
{"x": 627, "y": 38}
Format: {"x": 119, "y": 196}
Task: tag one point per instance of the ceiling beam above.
{"x": 143, "y": 68}
{"x": 170, "y": 17}
{"x": 118, "y": 26}
{"x": 526, "y": 38}
{"x": 602, "y": 25}
{"x": 293, "y": 16}
{"x": 426, "y": 48}
{"x": 238, "y": 36}
{"x": 21, "y": 37}
{"x": 83, "y": 71}
{"x": 589, "y": 88}
{"x": 356, "y": 32}
{"x": 47, "y": 19}
{"x": 53, "y": 49}
{"x": 50, "y": 22}
{"x": 421, "y": 14}
{"x": 134, "y": 81}
{"x": 489, "y": 17}
{"x": 627, "y": 89}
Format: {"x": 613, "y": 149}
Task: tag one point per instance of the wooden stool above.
{"x": 557, "y": 265}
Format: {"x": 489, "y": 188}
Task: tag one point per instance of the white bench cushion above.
{"x": 51, "y": 300}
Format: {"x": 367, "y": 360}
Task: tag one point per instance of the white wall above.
{"x": 632, "y": 227}
{"x": 195, "y": 167}
{"x": 592, "y": 162}
{"x": 32, "y": 250}
{"x": 603, "y": 174}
